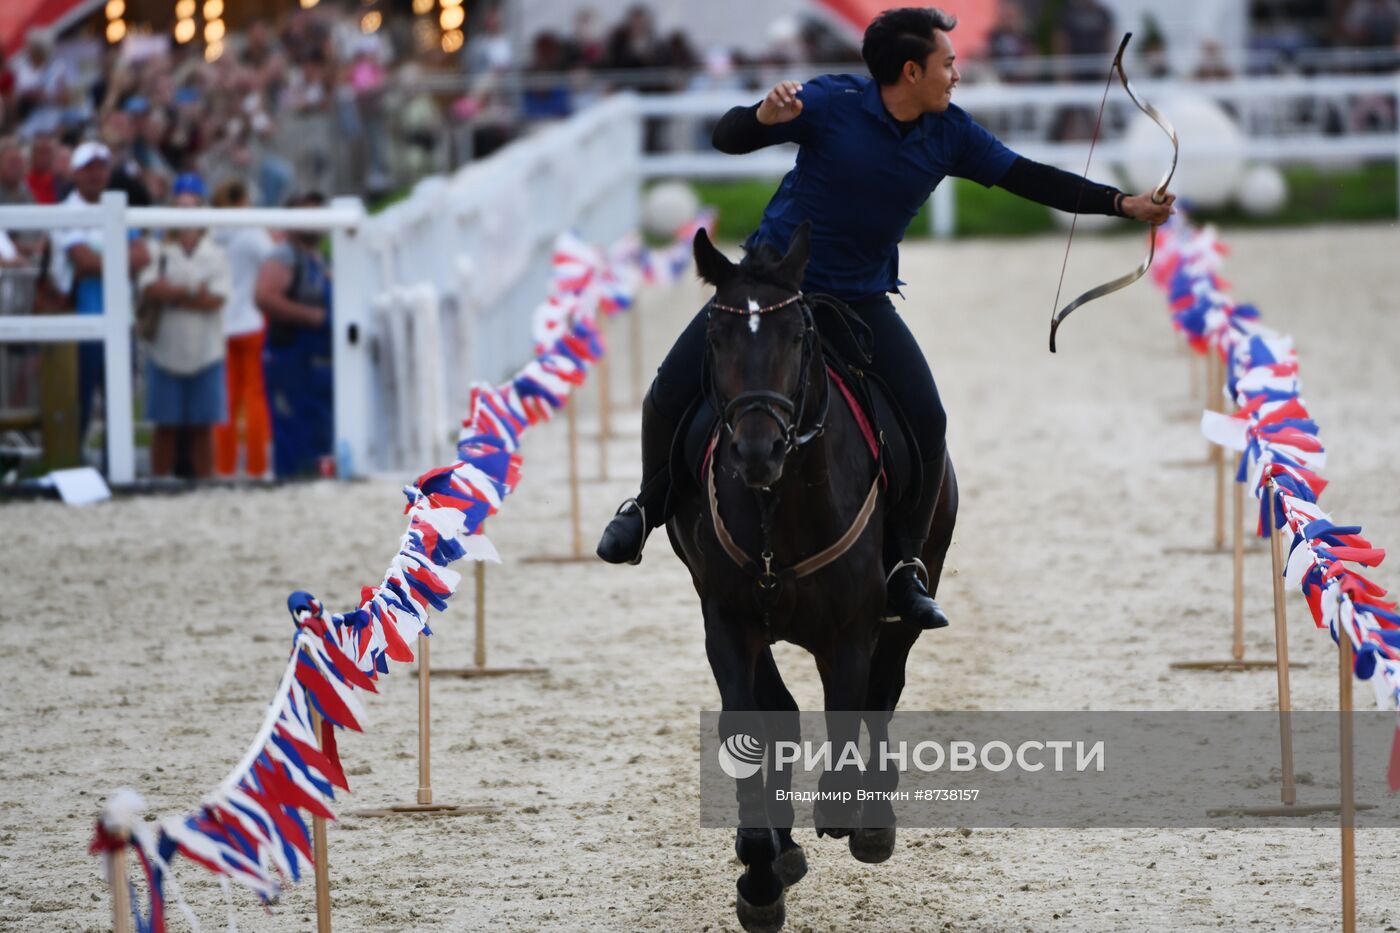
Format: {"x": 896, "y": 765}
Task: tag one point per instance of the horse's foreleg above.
{"x": 845, "y": 672}
{"x": 785, "y": 725}
{"x": 733, "y": 652}
{"x": 874, "y": 841}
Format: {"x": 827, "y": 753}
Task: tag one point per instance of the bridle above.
{"x": 787, "y": 412}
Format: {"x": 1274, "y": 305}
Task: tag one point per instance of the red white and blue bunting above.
{"x": 254, "y": 828}
{"x": 1281, "y": 456}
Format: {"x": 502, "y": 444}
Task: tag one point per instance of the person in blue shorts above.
{"x": 189, "y": 280}
{"x": 870, "y": 152}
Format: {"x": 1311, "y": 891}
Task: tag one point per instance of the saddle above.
{"x": 846, "y": 352}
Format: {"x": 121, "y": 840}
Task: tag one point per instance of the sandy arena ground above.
{"x": 143, "y": 637}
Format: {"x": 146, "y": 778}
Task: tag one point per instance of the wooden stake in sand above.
{"x": 1285, "y": 696}
{"x": 1288, "y": 792}
{"x": 1195, "y": 377}
{"x": 121, "y": 894}
{"x": 575, "y": 554}
{"x": 320, "y": 849}
{"x": 425, "y": 780}
{"x": 1215, "y": 457}
{"x": 1348, "y": 806}
{"x": 604, "y": 377}
{"x": 479, "y": 668}
{"x": 1237, "y": 500}
{"x": 425, "y": 802}
{"x": 575, "y": 523}
{"x": 1237, "y": 661}
{"x": 1216, "y": 451}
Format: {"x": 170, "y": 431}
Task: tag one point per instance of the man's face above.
{"x": 91, "y": 180}
{"x": 188, "y": 236}
{"x": 935, "y": 81}
{"x": 11, "y": 166}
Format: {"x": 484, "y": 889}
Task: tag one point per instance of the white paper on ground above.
{"x": 80, "y": 486}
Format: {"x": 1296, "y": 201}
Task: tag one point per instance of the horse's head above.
{"x": 760, "y": 344}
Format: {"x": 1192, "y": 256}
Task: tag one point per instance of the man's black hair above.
{"x": 901, "y": 35}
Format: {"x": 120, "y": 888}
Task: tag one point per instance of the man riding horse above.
{"x": 871, "y": 151}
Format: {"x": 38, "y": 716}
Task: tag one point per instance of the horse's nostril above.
{"x": 778, "y": 447}
{"x": 734, "y": 448}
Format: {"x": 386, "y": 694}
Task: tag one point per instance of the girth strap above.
{"x": 805, "y": 567}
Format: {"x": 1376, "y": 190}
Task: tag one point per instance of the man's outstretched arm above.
{"x": 1066, "y": 191}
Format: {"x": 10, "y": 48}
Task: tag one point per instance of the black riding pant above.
{"x": 897, "y": 360}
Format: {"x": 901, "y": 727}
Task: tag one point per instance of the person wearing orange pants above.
{"x": 247, "y": 247}
{"x": 247, "y": 402}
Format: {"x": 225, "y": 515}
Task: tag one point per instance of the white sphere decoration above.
{"x": 1212, "y": 161}
{"x": 1263, "y": 191}
{"x": 667, "y": 206}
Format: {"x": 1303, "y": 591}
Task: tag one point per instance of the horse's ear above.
{"x": 714, "y": 267}
{"x": 794, "y": 264}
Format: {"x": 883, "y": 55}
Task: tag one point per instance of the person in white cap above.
{"x": 75, "y": 265}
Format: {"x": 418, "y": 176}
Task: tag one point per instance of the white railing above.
{"x": 112, "y": 329}
{"x": 456, "y": 271}
{"x": 113, "y": 326}
{"x": 1284, "y": 119}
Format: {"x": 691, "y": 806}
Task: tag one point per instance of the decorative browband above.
{"x": 764, "y": 310}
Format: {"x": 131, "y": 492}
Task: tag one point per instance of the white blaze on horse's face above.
{"x": 753, "y": 316}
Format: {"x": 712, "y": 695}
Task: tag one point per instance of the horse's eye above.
{"x": 797, "y": 340}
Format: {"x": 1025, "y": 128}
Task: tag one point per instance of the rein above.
{"x": 789, "y": 414}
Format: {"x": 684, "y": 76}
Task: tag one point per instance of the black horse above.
{"x": 791, "y": 478}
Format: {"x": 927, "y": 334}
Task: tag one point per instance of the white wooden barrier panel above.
{"x": 455, "y": 272}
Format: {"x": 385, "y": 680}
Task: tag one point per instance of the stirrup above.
{"x": 911, "y": 562}
{"x": 641, "y": 510}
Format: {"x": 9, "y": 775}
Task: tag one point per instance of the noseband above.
{"x": 787, "y": 412}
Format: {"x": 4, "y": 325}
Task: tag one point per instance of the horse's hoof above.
{"x": 760, "y": 918}
{"x": 837, "y": 832}
{"x": 790, "y": 866}
{"x": 872, "y": 845}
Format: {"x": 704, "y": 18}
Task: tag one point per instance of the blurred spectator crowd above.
{"x": 315, "y": 101}
{"x": 234, "y": 330}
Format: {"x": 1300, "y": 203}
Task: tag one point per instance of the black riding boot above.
{"x": 906, "y": 531}
{"x": 623, "y": 538}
